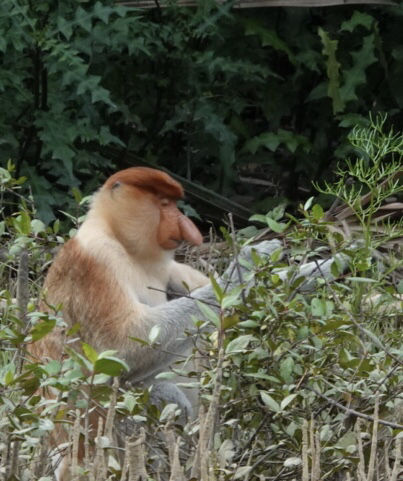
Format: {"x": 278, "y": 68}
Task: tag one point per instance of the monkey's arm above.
{"x": 174, "y": 320}
{"x": 184, "y": 279}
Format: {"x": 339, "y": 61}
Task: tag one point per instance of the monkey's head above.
{"x": 139, "y": 205}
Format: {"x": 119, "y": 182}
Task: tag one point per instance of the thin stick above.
{"x": 374, "y": 441}
{"x": 305, "y": 462}
{"x": 353, "y": 411}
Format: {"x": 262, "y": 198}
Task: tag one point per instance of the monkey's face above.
{"x": 174, "y": 227}
{"x": 146, "y": 222}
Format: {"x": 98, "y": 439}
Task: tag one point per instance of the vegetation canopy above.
{"x": 302, "y": 379}
{"x": 251, "y": 104}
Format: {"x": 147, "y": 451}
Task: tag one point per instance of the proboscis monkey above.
{"x": 119, "y": 266}
{"x": 112, "y": 279}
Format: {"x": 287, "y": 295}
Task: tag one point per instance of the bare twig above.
{"x": 305, "y": 462}
{"x": 398, "y": 460}
{"x": 353, "y": 411}
{"x": 374, "y": 441}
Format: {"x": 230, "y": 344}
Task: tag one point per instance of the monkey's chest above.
{"x": 151, "y": 291}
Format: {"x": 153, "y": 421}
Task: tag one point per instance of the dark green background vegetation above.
{"x": 221, "y": 98}
{"x": 204, "y": 92}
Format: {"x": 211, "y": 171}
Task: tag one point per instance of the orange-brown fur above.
{"x": 102, "y": 277}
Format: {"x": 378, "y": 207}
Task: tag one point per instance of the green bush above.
{"x": 275, "y": 361}
{"x": 205, "y": 92}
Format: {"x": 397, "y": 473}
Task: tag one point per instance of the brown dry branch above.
{"x": 110, "y": 417}
{"x": 15, "y": 458}
{"x": 196, "y": 468}
{"x": 136, "y": 458}
{"x": 305, "y": 463}
{"x": 125, "y": 462}
{"x": 87, "y": 447}
{"x": 169, "y": 433}
{"x": 75, "y": 437}
{"x": 344, "y": 212}
{"x": 177, "y": 472}
{"x": 22, "y": 303}
{"x": 353, "y": 411}
{"x": 100, "y": 466}
{"x": 312, "y": 447}
{"x": 374, "y": 441}
{"x": 206, "y": 436}
{"x": 316, "y": 457}
{"x": 397, "y": 471}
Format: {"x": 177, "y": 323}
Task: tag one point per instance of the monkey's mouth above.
{"x": 177, "y": 242}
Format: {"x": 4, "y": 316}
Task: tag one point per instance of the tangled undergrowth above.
{"x": 298, "y": 380}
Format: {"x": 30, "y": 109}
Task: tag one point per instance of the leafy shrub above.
{"x": 206, "y": 92}
{"x": 287, "y": 369}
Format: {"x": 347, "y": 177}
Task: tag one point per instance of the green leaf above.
{"x": 332, "y": 70}
{"x": 209, "y": 314}
{"x": 42, "y": 328}
{"x": 167, "y": 376}
{"x": 65, "y": 27}
{"x": 259, "y": 218}
{"x": 84, "y": 19}
{"x": 317, "y": 212}
{"x": 268, "y": 139}
{"x": 318, "y": 307}
{"x": 218, "y": 292}
{"x": 242, "y": 472}
{"x": 239, "y": 344}
{"x": 78, "y": 196}
{"x": 286, "y": 368}
{"x": 356, "y": 75}
{"x": 53, "y": 367}
{"x": 287, "y": 400}
{"x": 275, "y": 226}
{"x": 24, "y": 224}
{"x": 90, "y": 353}
{"x": 231, "y": 299}
{"x": 365, "y": 280}
{"x": 270, "y": 402}
{"x": 268, "y": 37}
{"x": 308, "y": 203}
{"x": 74, "y": 329}
{"x": 357, "y": 19}
{"x": 154, "y": 333}
{"x": 37, "y": 226}
{"x": 8, "y": 378}
{"x": 111, "y": 366}
{"x": 56, "y": 226}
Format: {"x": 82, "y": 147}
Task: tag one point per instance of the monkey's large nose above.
{"x": 189, "y": 231}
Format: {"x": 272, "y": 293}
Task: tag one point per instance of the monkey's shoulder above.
{"x": 79, "y": 282}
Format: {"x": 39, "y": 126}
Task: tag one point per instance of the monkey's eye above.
{"x": 165, "y": 202}
{"x": 116, "y": 184}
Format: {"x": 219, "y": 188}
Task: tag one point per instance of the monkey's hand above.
{"x": 241, "y": 269}
{"x": 264, "y": 249}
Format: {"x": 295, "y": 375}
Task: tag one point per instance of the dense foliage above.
{"x": 274, "y": 361}
{"x": 203, "y": 91}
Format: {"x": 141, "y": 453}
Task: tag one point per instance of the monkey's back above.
{"x": 76, "y": 282}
